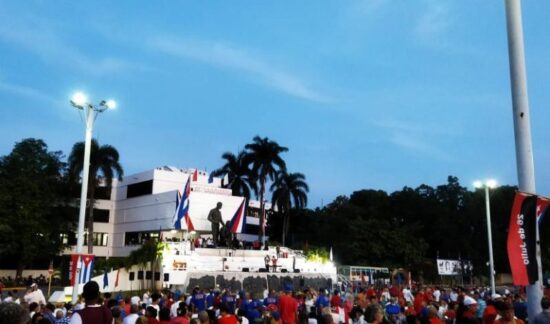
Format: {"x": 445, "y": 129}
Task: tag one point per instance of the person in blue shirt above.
{"x": 322, "y": 301}
{"x": 229, "y": 300}
{"x": 210, "y": 299}
{"x": 198, "y": 301}
{"x": 271, "y": 299}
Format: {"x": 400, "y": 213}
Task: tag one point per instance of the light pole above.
{"x": 80, "y": 101}
{"x": 486, "y": 185}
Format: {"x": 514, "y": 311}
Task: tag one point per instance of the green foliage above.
{"x": 318, "y": 255}
{"x": 32, "y": 199}
{"x": 241, "y": 180}
{"x": 104, "y": 166}
{"x": 409, "y": 228}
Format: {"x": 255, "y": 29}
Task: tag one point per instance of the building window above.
{"x": 138, "y": 238}
{"x": 101, "y": 215}
{"x": 99, "y": 239}
{"x": 140, "y": 189}
{"x": 103, "y": 193}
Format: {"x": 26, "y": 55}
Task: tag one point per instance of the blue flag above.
{"x": 105, "y": 279}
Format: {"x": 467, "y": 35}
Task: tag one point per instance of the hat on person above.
{"x": 468, "y": 301}
{"x": 91, "y": 290}
{"x": 496, "y": 296}
{"x": 34, "y": 285}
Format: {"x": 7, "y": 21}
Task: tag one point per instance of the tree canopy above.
{"x": 31, "y": 203}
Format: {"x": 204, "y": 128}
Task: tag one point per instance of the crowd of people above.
{"x": 20, "y": 281}
{"x": 382, "y": 305}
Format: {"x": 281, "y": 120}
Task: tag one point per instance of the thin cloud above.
{"x": 231, "y": 57}
{"x": 417, "y": 145}
{"x": 27, "y": 92}
{"x": 434, "y": 22}
{"x": 51, "y": 48}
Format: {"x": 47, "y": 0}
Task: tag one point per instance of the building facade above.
{"x": 142, "y": 206}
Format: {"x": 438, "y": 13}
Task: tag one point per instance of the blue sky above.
{"x": 366, "y": 94}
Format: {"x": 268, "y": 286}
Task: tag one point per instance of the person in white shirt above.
{"x": 407, "y": 294}
{"x": 133, "y": 316}
{"x": 35, "y": 295}
{"x": 436, "y": 294}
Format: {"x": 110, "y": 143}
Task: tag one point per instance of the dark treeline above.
{"x": 408, "y": 228}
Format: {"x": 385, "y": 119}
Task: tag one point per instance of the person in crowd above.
{"x": 13, "y": 313}
{"x": 93, "y": 312}
{"x": 164, "y": 316}
{"x": 507, "y": 316}
{"x": 374, "y": 314}
{"x": 544, "y": 316}
{"x": 132, "y": 316}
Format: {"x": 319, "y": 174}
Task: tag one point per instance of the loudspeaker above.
{"x": 246, "y": 269}
{"x": 262, "y": 270}
{"x": 148, "y": 275}
{"x": 284, "y": 270}
{"x": 131, "y": 276}
{"x": 296, "y": 270}
{"x": 166, "y": 277}
{"x": 157, "y": 276}
{"x": 140, "y": 275}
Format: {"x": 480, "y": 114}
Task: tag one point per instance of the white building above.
{"x": 143, "y": 204}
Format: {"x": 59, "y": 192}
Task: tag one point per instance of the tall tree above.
{"x": 289, "y": 190}
{"x": 30, "y": 194}
{"x": 104, "y": 166}
{"x": 240, "y": 177}
{"x": 264, "y": 156}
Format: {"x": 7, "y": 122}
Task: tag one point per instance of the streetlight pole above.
{"x": 486, "y": 185}
{"x": 490, "y": 238}
{"x": 79, "y": 101}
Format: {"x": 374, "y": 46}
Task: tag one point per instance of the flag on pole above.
{"x": 105, "y": 279}
{"x": 210, "y": 178}
{"x": 196, "y": 175}
{"x": 522, "y": 240}
{"x": 238, "y": 221}
{"x": 86, "y": 263}
{"x": 182, "y": 210}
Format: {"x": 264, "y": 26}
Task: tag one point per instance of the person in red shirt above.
{"x": 288, "y": 307}
{"x": 371, "y": 292}
{"x": 225, "y": 317}
{"x": 335, "y": 301}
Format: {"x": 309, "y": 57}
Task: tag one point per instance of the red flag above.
{"x": 522, "y": 239}
{"x": 195, "y": 175}
{"x": 116, "y": 280}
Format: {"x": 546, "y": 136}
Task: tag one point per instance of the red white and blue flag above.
{"x": 237, "y": 223}
{"x": 181, "y": 216}
{"x": 86, "y": 264}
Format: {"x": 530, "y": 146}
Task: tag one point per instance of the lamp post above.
{"x": 80, "y": 101}
{"x": 486, "y": 185}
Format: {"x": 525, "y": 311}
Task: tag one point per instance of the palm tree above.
{"x": 104, "y": 166}
{"x": 289, "y": 190}
{"x": 264, "y": 155}
{"x": 241, "y": 179}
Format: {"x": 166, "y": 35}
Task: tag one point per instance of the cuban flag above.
{"x": 86, "y": 267}
{"x": 182, "y": 210}
{"x": 237, "y": 223}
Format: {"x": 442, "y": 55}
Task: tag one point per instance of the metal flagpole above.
{"x": 522, "y": 131}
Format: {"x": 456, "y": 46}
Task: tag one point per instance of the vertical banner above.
{"x": 522, "y": 238}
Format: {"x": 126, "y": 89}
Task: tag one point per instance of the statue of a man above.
{"x": 215, "y": 218}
